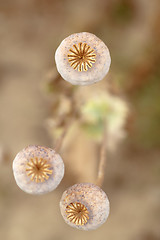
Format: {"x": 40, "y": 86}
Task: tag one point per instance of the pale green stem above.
{"x": 102, "y": 161}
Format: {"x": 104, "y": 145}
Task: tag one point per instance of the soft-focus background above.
{"x": 32, "y": 101}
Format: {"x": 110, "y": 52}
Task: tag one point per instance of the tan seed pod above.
{"x": 37, "y": 169}
{"x": 82, "y": 59}
{"x": 84, "y": 206}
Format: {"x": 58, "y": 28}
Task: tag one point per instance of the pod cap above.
{"x": 37, "y": 169}
{"x": 82, "y": 59}
{"x": 84, "y": 206}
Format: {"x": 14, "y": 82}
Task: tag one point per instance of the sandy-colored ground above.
{"x": 30, "y": 32}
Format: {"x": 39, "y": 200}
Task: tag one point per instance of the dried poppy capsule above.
{"x": 84, "y": 206}
{"x": 82, "y": 59}
{"x": 37, "y": 169}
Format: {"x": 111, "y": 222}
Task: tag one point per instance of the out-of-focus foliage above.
{"x": 105, "y": 109}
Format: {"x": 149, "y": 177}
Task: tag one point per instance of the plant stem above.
{"x": 101, "y": 168}
{"x": 61, "y": 138}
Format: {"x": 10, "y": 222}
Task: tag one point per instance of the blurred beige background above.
{"x": 30, "y": 32}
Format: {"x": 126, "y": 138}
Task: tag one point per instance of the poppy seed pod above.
{"x": 82, "y": 59}
{"x": 84, "y": 206}
{"x": 37, "y": 169}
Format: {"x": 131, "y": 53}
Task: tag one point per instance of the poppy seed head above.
{"x": 82, "y": 59}
{"x": 84, "y": 206}
{"x": 37, "y": 169}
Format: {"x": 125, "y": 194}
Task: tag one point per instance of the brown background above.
{"x": 30, "y": 32}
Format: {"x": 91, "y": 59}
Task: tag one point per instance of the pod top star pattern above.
{"x": 77, "y": 213}
{"x": 38, "y": 169}
{"x": 81, "y": 57}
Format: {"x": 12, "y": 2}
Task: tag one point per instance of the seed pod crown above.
{"x": 82, "y": 59}
{"x": 38, "y": 169}
{"x": 84, "y": 206}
